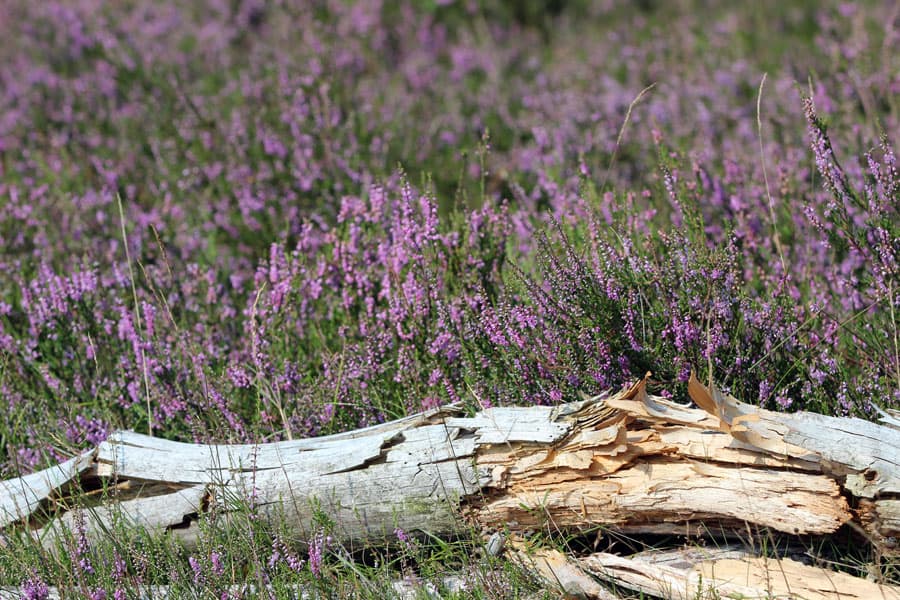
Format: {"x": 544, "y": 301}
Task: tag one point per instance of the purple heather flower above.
{"x": 34, "y": 588}
{"x": 197, "y": 568}
{"x": 82, "y": 546}
{"x": 783, "y": 401}
{"x": 215, "y": 560}
{"x": 281, "y": 552}
{"x": 317, "y": 546}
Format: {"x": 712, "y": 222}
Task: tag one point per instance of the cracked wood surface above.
{"x": 630, "y": 461}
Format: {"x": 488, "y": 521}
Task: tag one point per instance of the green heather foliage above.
{"x": 247, "y": 220}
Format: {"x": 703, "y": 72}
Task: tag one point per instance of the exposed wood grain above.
{"x": 668, "y": 493}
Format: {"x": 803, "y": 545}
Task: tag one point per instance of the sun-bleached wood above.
{"x": 630, "y": 462}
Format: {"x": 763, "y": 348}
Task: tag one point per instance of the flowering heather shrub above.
{"x": 551, "y": 231}
{"x": 617, "y": 298}
{"x": 375, "y": 304}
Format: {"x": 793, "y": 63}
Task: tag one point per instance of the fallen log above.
{"x": 629, "y": 462}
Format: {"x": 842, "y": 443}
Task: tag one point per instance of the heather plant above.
{"x": 619, "y": 292}
{"x": 359, "y": 314}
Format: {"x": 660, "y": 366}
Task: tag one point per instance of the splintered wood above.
{"x": 630, "y": 463}
{"x": 640, "y": 474}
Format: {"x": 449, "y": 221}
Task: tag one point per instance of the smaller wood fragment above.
{"x": 747, "y": 578}
{"x": 559, "y": 570}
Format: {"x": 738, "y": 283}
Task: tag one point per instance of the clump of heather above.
{"x": 634, "y": 285}
{"x": 361, "y": 322}
{"x": 627, "y": 304}
{"x": 858, "y": 221}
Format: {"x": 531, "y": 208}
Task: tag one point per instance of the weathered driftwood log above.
{"x": 629, "y": 462}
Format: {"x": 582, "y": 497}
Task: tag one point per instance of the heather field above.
{"x": 257, "y": 220}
